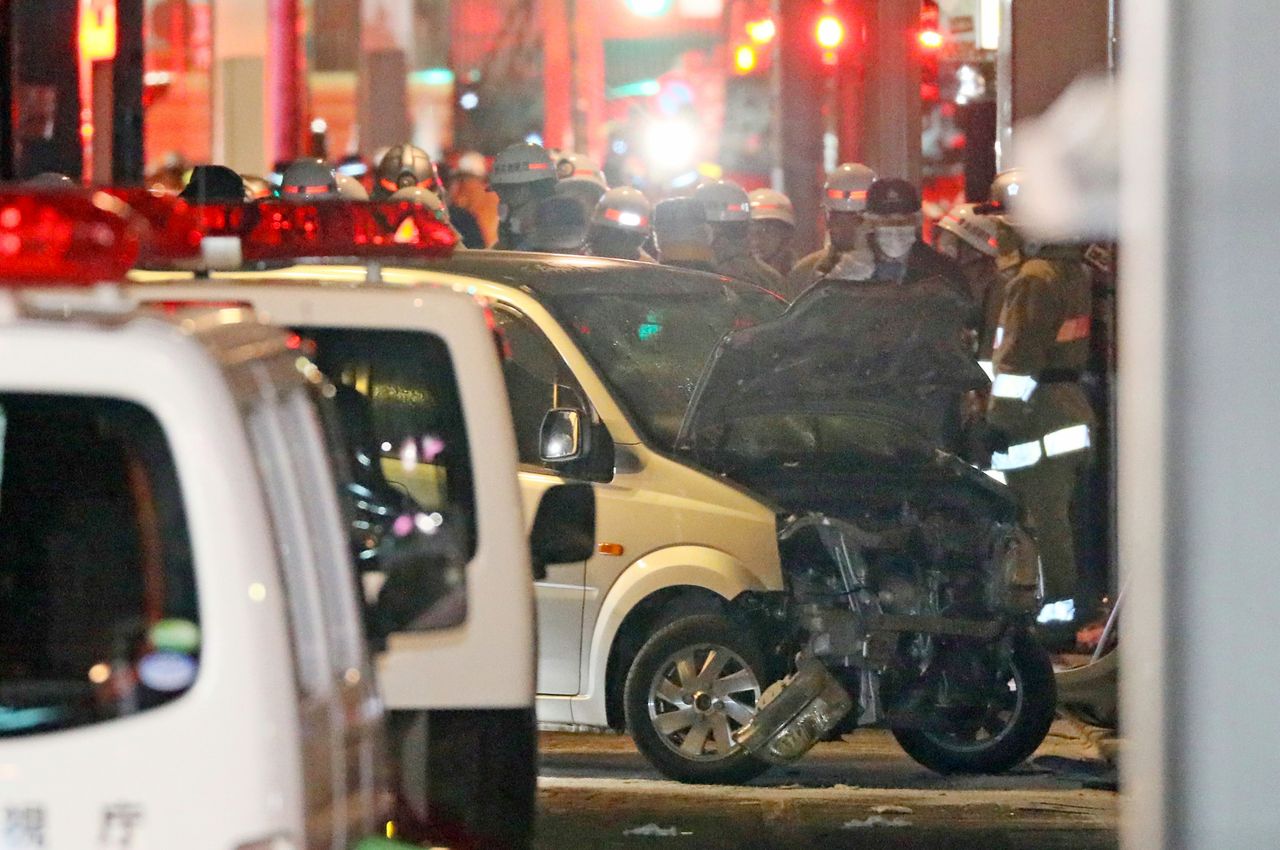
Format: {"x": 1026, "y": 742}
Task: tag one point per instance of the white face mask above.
{"x": 895, "y": 242}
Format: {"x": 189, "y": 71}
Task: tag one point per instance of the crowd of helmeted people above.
{"x": 1015, "y": 309}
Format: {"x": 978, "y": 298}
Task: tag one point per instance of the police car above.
{"x": 182, "y": 662}
{"x": 419, "y": 369}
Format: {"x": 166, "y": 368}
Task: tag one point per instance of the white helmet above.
{"x": 581, "y": 166}
{"x": 974, "y": 228}
{"x": 846, "y": 188}
{"x": 723, "y": 200}
{"x": 623, "y": 208}
{"x": 524, "y": 162}
{"x": 350, "y": 188}
{"x": 771, "y": 205}
{"x": 1004, "y": 196}
{"x": 308, "y": 179}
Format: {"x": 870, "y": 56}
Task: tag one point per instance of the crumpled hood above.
{"x": 887, "y": 352}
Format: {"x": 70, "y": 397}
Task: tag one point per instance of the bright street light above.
{"x": 671, "y": 145}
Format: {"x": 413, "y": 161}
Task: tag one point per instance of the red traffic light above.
{"x": 829, "y": 32}
{"x": 931, "y": 39}
{"x": 762, "y": 31}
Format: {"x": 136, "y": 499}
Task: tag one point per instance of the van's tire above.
{"x": 1019, "y": 734}
{"x": 708, "y": 697}
{"x": 467, "y": 778}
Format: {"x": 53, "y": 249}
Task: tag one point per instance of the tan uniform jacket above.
{"x": 1043, "y": 334}
{"x": 747, "y": 268}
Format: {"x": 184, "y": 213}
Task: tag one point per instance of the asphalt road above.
{"x": 596, "y": 792}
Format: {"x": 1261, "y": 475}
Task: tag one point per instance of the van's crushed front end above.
{"x": 897, "y": 622}
{"x": 911, "y": 584}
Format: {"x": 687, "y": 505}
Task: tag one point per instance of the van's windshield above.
{"x": 652, "y": 344}
{"x": 98, "y": 613}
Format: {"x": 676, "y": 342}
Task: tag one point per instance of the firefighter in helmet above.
{"x": 523, "y": 176}
{"x": 403, "y": 167}
{"x": 309, "y": 179}
{"x": 213, "y": 184}
{"x": 681, "y": 234}
{"x": 1041, "y": 423}
{"x": 558, "y": 226}
{"x": 620, "y": 225}
{"x": 844, "y": 201}
{"x": 728, "y": 212}
{"x": 773, "y": 224}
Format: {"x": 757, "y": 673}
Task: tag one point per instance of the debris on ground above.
{"x": 892, "y": 810}
{"x": 875, "y": 820}
{"x": 652, "y": 830}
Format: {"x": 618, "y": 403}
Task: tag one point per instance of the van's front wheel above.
{"x": 1021, "y": 707}
{"x": 690, "y": 690}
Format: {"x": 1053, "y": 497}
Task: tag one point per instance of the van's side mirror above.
{"x": 564, "y": 529}
{"x": 563, "y": 438}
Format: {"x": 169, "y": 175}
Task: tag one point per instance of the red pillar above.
{"x": 284, "y": 76}
{"x": 557, "y": 75}
{"x": 589, "y": 87}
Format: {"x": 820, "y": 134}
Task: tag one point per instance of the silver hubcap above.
{"x": 700, "y": 698}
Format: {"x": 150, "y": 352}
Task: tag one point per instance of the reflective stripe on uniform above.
{"x": 1020, "y": 456}
{"x": 1066, "y": 440}
{"x": 1018, "y": 387}
{"x": 988, "y": 368}
{"x": 1073, "y": 438}
{"x": 1074, "y": 329}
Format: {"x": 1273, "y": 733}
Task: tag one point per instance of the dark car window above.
{"x": 399, "y": 411}
{"x": 98, "y": 608}
{"x": 651, "y": 346}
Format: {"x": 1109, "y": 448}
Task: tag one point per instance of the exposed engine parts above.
{"x": 910, "y": 619}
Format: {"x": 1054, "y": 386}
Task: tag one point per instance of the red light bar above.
{"x": 64, "y": 237}
{"x": 282, "y": 231}
{"x": 173, "y": 230}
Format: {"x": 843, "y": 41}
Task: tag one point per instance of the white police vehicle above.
{"x": 182, "y": 662}
{"x": 421, "y": 392}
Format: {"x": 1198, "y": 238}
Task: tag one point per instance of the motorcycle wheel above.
{"x": 1016, "y": 722}
{"x": 692, "y": 686}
